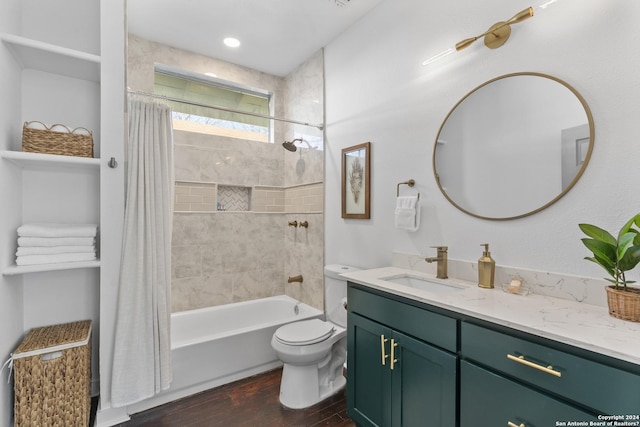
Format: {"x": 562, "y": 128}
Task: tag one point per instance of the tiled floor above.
{"x": 252, "y": 402}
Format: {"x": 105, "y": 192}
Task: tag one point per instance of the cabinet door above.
{"x": 368, "y": 380}
{"x": 490, "y": 400}
{"x": 423, "y": 384}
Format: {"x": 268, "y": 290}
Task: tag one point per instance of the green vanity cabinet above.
{"x": 412, "y": 364}
{"x": 488, "y": 400}
{"x": 395, "y": 379}
{"x": 580, "y": 380}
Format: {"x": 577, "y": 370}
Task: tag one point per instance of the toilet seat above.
{"x": 305, "y": 332}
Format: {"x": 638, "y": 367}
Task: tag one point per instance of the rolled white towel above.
{"x": 48, "y": 250}
{"x": 56, "y": 241}
{"x": 54, "y": 258}
{"x": 57, "y": 230}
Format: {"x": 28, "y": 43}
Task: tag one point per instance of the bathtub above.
{"x": 216, "y": 345}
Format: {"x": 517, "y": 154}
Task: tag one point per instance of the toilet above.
{"x": 314, "y": 351}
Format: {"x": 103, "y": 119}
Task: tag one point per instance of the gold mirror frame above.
{"x": 564, "y": 191}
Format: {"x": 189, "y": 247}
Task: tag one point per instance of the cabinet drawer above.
{"x": 490, "y": 400}
{"x": 603, "y": 388}
{"x": 423, "y": 324}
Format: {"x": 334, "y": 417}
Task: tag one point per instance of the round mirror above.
{"x": 513, "y": 146}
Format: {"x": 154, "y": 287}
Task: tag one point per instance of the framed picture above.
{"x": 356, "y": 183}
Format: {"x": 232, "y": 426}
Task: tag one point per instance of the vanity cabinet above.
{"x": 414, "y": 364}
{"x": 488, "y": 399}
{"x": 535, "y": 384}
{"x": 395, "y": 379}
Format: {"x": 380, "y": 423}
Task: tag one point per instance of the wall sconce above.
{"x": 494, "y": 37}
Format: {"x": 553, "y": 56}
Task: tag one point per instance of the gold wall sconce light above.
{"x": 494, "y": 37}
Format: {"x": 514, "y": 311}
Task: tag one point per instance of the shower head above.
{"x": 290, "y": 145}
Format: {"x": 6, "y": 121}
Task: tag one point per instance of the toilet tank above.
{"x": 335, "y": 293}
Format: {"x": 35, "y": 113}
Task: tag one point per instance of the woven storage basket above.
{"x": 65, "y": 142}
{"x": 624, "y": 304}
{"x": 52, "y": 376}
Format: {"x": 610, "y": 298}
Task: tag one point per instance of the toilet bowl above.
{"x": 314, "y": 351}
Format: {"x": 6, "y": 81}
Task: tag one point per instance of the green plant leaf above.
{"x": 604, "y": 252}
{"x": 598, "y": 233}
{"x": 630, "y": 259}
{"x": 636, "y": 234}
{"x": 625, "y": 228}
{"x": 625, "y": 241}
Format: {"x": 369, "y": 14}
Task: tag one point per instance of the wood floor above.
{"x": 252, "y": 402}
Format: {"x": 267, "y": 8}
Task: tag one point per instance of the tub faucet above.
{"x": 297, "y": 278}
{"x": 441, "y": 259}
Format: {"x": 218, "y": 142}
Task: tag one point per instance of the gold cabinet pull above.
{"x": 546, "y": 369}
{"x": 510, "y": 424}
{"x": 394, "y": 344}
{"x": 383, "y": 340}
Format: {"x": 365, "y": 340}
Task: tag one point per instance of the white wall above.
{"x": 378, "y": 91}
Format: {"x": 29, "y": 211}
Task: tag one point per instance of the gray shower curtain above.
{"x": 142, "y": 352}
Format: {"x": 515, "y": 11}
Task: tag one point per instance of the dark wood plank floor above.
{"x": 252, "y": 402}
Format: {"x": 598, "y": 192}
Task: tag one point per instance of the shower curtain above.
{"x": 142, "y": 352}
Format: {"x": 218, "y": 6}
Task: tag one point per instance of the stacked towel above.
{"x": 407, "y": 213}
{"x": 48, "y": 243}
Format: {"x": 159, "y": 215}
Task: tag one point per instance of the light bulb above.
{"x": 439, "y": 56}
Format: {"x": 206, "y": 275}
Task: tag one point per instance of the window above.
{"x": 198, "y": 90}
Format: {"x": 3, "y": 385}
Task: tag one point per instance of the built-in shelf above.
{"x": 24, "y": 269}
{"x": 38, "y": 161}
{"x": 50, "y": 58}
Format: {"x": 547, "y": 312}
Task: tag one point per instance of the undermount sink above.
{"x": 423, "y": 284}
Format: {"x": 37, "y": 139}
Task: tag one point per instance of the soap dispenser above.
{"x": 486, "y": 268}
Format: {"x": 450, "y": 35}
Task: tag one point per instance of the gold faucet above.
{"x": 441, "y": 259}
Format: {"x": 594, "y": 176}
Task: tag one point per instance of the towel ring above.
{"x": 410, "y": 183}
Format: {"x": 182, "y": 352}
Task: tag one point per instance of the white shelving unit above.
{"x": 49, "y": 162}
{"x": 62, "y": 61}
{"x": 54, "y": 59}
{"x": 38, "y": 161}
{"x": 24, "y": 269}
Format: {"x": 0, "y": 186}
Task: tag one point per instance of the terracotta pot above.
{"x": 624, "y": 304}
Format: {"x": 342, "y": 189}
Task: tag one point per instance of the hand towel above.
{"x": 57, "y": 230}
{"x": 56, "y": 241}
{"x": 48, "y": 250}
{"x": 54, "y": 258}
{"x": 407, "y": 213}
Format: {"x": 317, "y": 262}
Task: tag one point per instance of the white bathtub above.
{"x": 217, "y": 345}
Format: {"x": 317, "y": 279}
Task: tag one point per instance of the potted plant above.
{"x": 617, "y": 255}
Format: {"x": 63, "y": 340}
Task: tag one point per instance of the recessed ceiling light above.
{"x": 231, "y": 42}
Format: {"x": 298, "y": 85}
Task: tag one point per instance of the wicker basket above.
{"x": 63, "y": 141}
{"x": 52, "y": 376}
{"x": 624, "y": 304}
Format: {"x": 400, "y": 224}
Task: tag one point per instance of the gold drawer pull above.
{"x": 383, "y": 340}
{"x": 510, "y": 424}
{"x": 394, "y": 344}
{"x": 522, "y": 360}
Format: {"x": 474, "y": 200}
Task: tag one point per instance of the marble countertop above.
{"x": 582, "y": 325}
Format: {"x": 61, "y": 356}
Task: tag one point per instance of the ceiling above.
{"x": 276, "y": 35}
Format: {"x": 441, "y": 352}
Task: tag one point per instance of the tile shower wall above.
{"x": 219, "y": 258}
{"x": 302, "y": 198}
{"x": 195, "y": 197}
{"x": 223, "y": 257}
